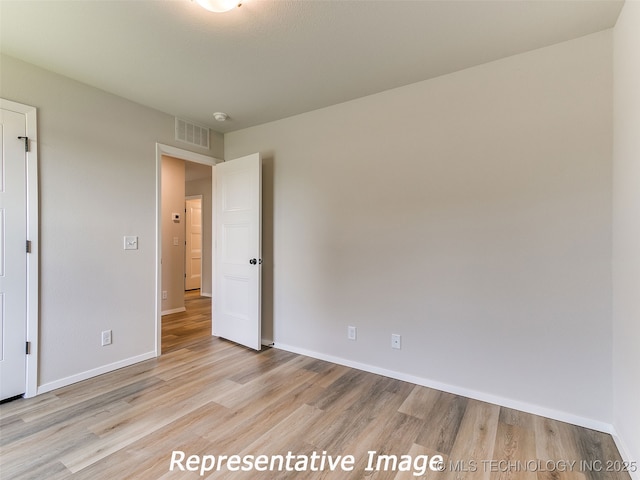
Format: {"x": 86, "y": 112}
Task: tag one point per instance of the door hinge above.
{"x": 28, "y": 246}
{"x": 26, "y": 143}
{"x": 27, "y": 349}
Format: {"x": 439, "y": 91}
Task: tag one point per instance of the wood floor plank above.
{"x": 514, "y": 446}
{"x": 554, "y": 444}
{"x": 430, "y": 474}
{"x": 600, "y": 454}
{"x": 443, "y": 423}
{"x": 420, "y": 402}
{"x": 339, "y": 427}
{"x": 475, "y": 440}
{"x": 241, "y": 425}
{"x": 391, "y": 433}
{"x": 149, "y": 456}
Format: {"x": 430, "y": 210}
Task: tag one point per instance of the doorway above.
{"x": 176, "y": 217}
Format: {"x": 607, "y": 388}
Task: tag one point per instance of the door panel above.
{"x": 13, "y": 256}
{"x": 193, "y": 250}
{"x": 238, "y": 252}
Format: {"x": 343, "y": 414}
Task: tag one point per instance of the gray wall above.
{"x": 626, "y": 230}
{"x": 470, "y": 213}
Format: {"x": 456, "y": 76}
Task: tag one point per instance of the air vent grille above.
{"x": 192, "y": 133}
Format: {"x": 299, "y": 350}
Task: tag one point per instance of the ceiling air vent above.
{"x": 192, "y": 133}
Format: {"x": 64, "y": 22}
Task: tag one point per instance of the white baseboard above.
{"x": 624, "y": 453}
{"x": 173, "y": 310}
{"x": 456, "y": 390}
{"x": 63, "y": 382}
{"x": 206, "y": 294}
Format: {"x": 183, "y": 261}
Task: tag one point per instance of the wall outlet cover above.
{"x": 106, "y": 337}
{"x": 351, "y": 333}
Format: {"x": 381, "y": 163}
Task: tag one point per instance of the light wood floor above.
{"x": 181, "y": 330}
{"x": 207, "y": 396}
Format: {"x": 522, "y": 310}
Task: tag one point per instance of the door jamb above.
{"x": 33, "y": 258}
{"x": 182, "y": 154}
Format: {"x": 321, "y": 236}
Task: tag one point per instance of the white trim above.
{"x": 174, "y": 310}
{"x": 624, "y": 453}
{"x": 185, "y": 154}
{"x": 465, "y": 392}
{"x": 33, "y": 294}
{"x": 63, "y": 382}
{"x": 205, "y": 294}
{"x": 161, "y": 150}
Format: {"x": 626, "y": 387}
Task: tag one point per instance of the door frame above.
{"x": 187, "y": 198}
{"x": 188, "y": 156}
{"x": 33, "y": 293}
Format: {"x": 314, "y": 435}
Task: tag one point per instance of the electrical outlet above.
{"x": 106, "y": 337}
{"x": 164, "y": 294}
{"x": 351, "y": 333}
{"x": 395, "y": 341}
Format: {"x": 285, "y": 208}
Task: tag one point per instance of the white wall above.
{"x": 97, "y": 184}
{"x": 626, "y": 230}
{"x": 470, "y": 213}
{"x": 173, "y": 256}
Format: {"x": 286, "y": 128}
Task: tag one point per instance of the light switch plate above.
{"x": 130, "y": 242}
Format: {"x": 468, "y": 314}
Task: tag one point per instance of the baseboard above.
{"x": 456, "y": 390}
{"x": 206, "y": 294}
{"x": 63, "y": 382}
{"x": 173, "y": 310}
{"x": 624, "y": 453}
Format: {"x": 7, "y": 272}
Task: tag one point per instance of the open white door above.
{"x": 238, "y": 251}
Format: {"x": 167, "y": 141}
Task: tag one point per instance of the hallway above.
{"x": 180, "y": 330}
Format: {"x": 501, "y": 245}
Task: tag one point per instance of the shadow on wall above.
{"x": 268, "y": 175}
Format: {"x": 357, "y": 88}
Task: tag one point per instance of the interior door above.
{"x": 193, "y": 250}
{"x": 238, "y": 251}
{"x": 13, "y": 255}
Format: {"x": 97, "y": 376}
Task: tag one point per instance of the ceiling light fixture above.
{"x": 220, "y": 116}
{"x": 219, "y": 6}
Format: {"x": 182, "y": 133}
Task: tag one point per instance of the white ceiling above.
{"x": 271, "y": 59}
